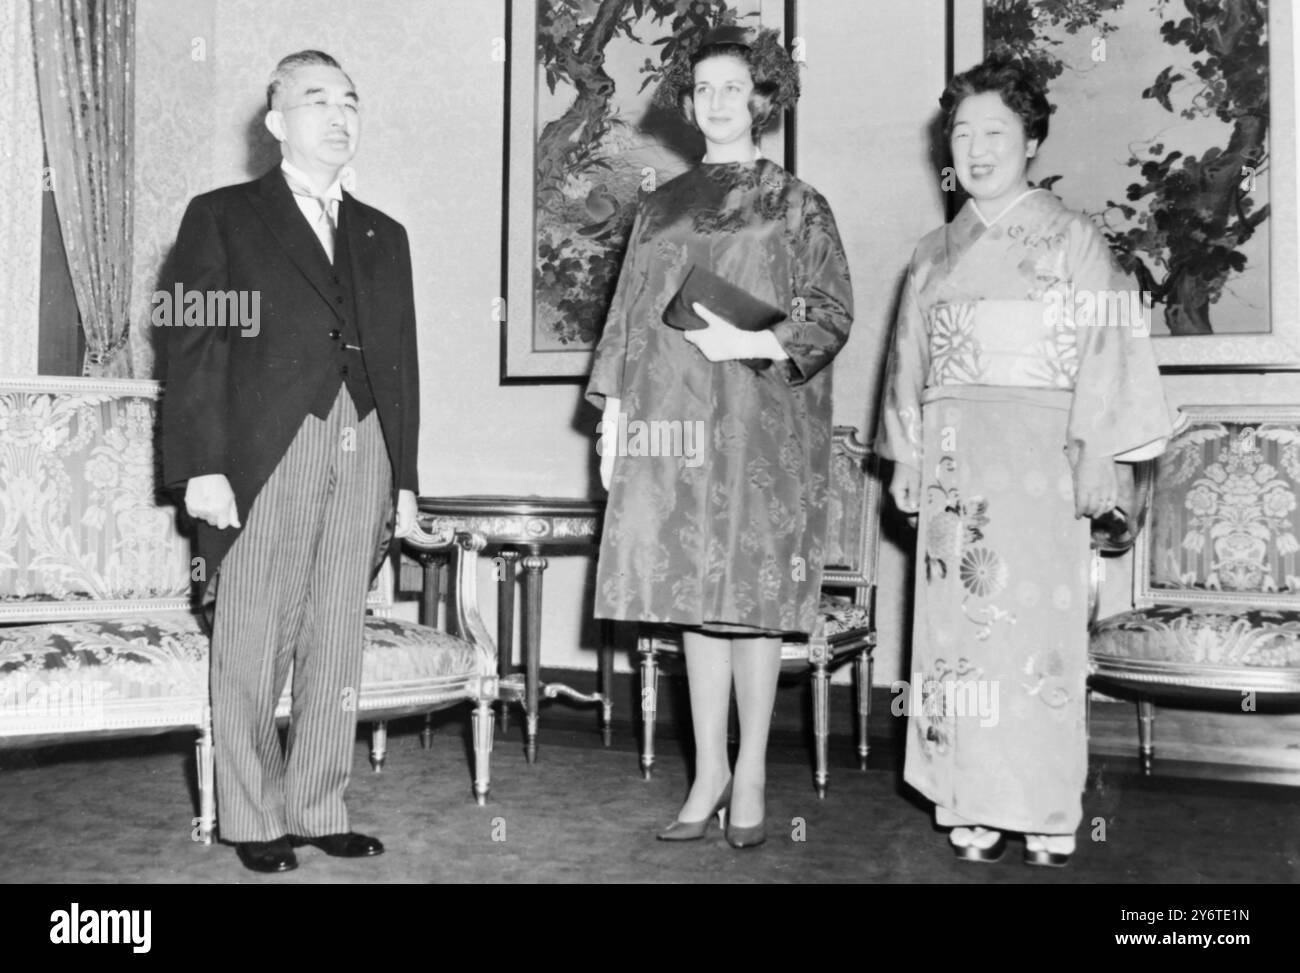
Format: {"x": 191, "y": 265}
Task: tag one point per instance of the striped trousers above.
{"x": 292, "y": 590}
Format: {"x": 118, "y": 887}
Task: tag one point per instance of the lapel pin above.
{"x": 370, "y": 232}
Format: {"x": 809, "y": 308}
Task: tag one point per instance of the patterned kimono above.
{"x": 718, "y": 506}
{"x": 1015, "y": 343}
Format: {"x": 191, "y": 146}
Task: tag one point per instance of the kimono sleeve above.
{"x": 898, "y": 436}
{"x": 1118, "y": 408}
{"x": 823, "y": 310}
{"x": 610, "y": 357}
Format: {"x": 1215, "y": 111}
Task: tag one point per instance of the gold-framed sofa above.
{"x": 98, "y": 636}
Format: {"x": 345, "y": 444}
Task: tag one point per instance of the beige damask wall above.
{"x": 175, "y": 82}
{"x": 21, "y": 186}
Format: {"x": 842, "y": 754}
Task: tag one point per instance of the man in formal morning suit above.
{"x": 295, "y": 442}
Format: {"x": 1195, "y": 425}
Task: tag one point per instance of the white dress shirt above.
{"x": 322, "y": 211}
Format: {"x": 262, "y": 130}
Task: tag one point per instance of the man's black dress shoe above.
{"x": 348, "y": 844}
{"x": 267, "y": 856}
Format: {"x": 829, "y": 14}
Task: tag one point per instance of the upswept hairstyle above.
{"x": 1017, "y": 85}
{"x": 284, "y": 70}
{"x": 775, "y": 73}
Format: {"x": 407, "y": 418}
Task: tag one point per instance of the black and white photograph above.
{"x": 652, "y": 442}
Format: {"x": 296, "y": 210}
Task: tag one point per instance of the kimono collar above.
{"x": 1005, "y": 210}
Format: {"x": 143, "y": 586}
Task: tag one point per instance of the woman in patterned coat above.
{"x": 715, "y": 444}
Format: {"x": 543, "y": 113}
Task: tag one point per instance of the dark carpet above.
{"x": 122, "y": 812}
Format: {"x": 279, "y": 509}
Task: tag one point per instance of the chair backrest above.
{"x": 84, "y": 528}
{"x": 1223, "y": 525}
{"x": 82, "y": 531}
{"x": 853, "y": 522}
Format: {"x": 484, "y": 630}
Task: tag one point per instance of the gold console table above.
{"x": 522, "y": 531}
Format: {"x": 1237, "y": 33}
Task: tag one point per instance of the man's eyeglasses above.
{"x": 321, "y": 107}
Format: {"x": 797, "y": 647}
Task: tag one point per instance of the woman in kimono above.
{"x": 715, "y": 443}
{"x": 1021, "y": 375}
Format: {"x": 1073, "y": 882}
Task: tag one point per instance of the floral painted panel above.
{"x": 1224, "y": 513}
{"x": 80, "y": 517}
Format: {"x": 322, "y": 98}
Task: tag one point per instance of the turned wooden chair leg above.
{"x": 207, "y": 781}
{"x": 649, "y": 705}
{"x": 1146, "y": 732}
{"x": 483, "y": 725}
{"x": 378, "y": 744}
{"x": 864, "y": 706}
{"x": 821, "y": 684}
{"x": 606, "y": 655}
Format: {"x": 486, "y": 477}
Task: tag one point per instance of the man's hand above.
{"x": 905, "y": 488}
{"x": 406, "y": 513}
{"x": 210, "y": 499}
{"x": 723, "y": 341}
{"x": 609, "y": 440}
{"x": 1096, "y": 488}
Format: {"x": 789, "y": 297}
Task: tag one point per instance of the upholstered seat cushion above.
{"x": 139, "y": 672}
{"x": 838, "y": 614}
{"x": 102, "y": 675}
{"x": 1215, "y": 635}
{"x": 411, "y": 668}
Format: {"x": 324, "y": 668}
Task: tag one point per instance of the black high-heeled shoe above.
{"x": 694, "y": 830}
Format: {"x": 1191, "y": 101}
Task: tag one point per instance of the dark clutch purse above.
{"x": 1115, "y": 531}
{"x": 724, "y": 299}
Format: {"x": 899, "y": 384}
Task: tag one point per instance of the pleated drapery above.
{"x": 85, "y": 69}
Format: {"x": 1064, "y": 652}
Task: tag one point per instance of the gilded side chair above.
{"x": 846, "y": 624}
{"x": 1216, "y": 573}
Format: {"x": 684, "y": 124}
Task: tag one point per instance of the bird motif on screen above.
{"x": 608, "y": 216}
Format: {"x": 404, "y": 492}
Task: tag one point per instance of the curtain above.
{"x": 21, "y": 183}
{"x": 85, "y": 64}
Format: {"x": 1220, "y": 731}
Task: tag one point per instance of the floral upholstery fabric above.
{"x": 844, "y": 515}
{"x": 79, "y": 512}
{"x": 152, "y": 671}
{"x": 127, "y": 672}
{"x": 1224, "y": 513}
{"x": 1214, "y": 635}
{"x": 402, "y": 650}
{"x": 838, "y": 614}
{"x": 1220, "y": 592}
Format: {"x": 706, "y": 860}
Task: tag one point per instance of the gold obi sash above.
{"x": 1028, "y": 344}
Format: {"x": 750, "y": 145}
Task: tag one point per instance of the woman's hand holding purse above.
{"x": 723, "y": 341}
